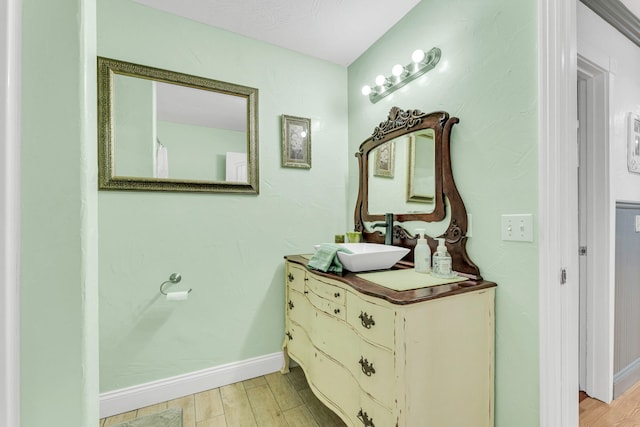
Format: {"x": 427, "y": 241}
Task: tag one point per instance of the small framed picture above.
{"x": 633, "y": 143}
{"x": 384, "y": 160}
{"x": 296, "y": 142}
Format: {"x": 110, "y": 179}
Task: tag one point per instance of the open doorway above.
{"x": 595, "y": 218}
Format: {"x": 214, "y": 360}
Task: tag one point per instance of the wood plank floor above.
{"x": 623, "y": 412}
{"x": 272, "y": 400}
{"x": 287, "y": 401}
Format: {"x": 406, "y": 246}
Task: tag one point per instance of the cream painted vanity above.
{"x": 394, "y": 348}
{"x": 379, "y": 357}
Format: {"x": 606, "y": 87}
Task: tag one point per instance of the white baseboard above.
{"x": 139, "y": 396}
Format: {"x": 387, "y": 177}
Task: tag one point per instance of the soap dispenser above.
{"x": 422, "y": 254}
{"x": 441, "y": 261}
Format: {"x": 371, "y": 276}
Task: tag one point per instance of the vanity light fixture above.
{"x": 421, "y": 62}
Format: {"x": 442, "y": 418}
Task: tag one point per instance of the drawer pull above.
{"x": 291, "y": 305}
{"x": 336, "y": 311}
{"x": 306, "y": 292}
{"x": 367, "y": 368}
{"x": 288, "y": 334}
{"x": 290, "y": 276}
{"x": 367, "y": 320}
{"x": 364, "y": 418}
{"x": 336, "y": 295}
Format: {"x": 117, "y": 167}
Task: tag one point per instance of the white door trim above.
{"x": 557, "y": 201}
{"x": 585, "y": 121}
{"x": 10, "y": 83}
{"x": 600, "y": 295}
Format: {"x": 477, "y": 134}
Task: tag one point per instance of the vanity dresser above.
{"x": 395, "y": 347}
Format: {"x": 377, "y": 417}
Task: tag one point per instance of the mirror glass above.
{"x": 161, "y": 130}
{"x": 402, "y": 174}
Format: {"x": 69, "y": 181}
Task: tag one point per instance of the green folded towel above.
{"x": 326, "y": 258}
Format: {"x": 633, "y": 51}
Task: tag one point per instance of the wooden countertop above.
{"x": 398, "y": 297}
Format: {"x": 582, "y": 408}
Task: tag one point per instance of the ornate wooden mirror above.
{"x": 405, "y": 170}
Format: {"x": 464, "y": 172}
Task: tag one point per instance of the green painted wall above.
{"x": 228, "y": 248}
{"x": 59, "y": 306}
{"x": 486, "y": 77}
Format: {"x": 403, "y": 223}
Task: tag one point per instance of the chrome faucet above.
{"x": 388, "y": 228}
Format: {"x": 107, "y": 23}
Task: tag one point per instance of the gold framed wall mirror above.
{"x": 161, "y": 130}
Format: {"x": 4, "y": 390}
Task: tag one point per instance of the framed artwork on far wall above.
{"x": 384, "y": 160}
{"x": 633, "y": 143}
{"x": 296, "y": 142}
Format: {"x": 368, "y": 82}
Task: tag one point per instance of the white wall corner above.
{"x": 139, "y": 396}
{"x": 10, "y": 107}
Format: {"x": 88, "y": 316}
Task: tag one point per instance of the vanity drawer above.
{"x": 373, "y": 367}
{"x": 371, "y": 321}
{"x": 295, "y": 277}
{"x": 337, "y": 385}
{"x": 299, "y": 309}
{"x": 332, "y": 308}
{"x": 299, "y": 345}
{"x": 324, "y": 288}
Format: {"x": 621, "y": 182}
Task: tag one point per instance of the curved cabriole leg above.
{"x": 285, "y": 353}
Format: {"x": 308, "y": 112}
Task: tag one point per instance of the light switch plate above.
{"x": 637, "y": 223}
{"x": 517, "y": 227}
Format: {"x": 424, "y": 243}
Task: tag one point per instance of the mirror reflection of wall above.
{"x": 135, "y": 127}
{"x": 421, "y": 184}
{"x": 171, "y": 131}
{"x": 412, "y": 167}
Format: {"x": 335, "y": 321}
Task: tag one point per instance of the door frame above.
{"x": 599, "y": 283}
{"x": 557, "y": 206}
{"x": 10, "y": 106}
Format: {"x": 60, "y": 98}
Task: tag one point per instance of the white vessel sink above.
{"x": 370, "y": 256}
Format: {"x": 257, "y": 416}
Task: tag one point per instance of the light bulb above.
{"x": 366, "y": 90}
{"x": 417, "y": 55}
{"x": 303, "y": 134}
{"x": 397, "y": 70}
{"x": 381, "y": 80}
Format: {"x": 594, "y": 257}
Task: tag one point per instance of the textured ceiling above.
{"x": 338, "y": 31}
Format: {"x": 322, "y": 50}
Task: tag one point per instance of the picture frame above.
{"x": 296, "y": 142}
{"x": 385, "y": 160}
{"x": 633, "y": 143}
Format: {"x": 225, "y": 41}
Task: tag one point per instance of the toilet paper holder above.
{"x": 174, "y": 278}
